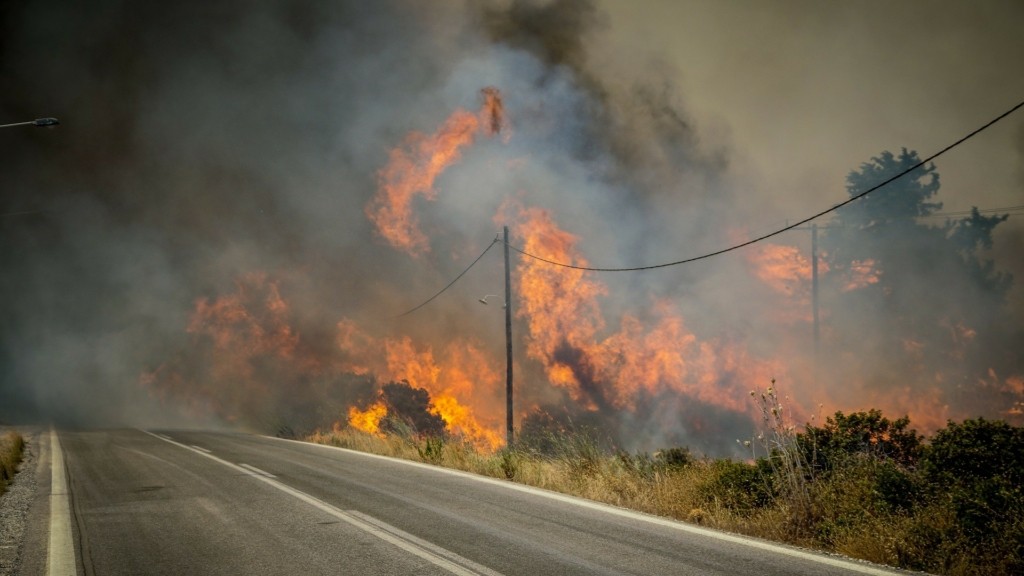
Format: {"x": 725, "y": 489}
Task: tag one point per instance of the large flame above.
{"x": 413, "y": 167}
{"x": 368, "y": 420}
{"x": 604, "y": 365}
{"x": 788, "y": 273}
{"x": 463, "y": 383}
{"x": 566, "y": 334}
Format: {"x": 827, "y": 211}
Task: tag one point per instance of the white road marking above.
{"x": 60, "y": 555}
{"x": 200, "y": 448}
{"x": 477, "y": 568}
{"x": 819, "y": 557}
{"x": 436, "y": 555}
{"x": 254, "y": 469}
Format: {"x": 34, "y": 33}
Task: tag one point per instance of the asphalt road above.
{"x": 177, "y": 502}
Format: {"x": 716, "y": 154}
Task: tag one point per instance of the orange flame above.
{"x": 368, "y": 420}
{"x": 462, "y": 383}
{"x": 565, "y": 324}
{"x": 232, "y": 323}
{"x": 413, "y": 167}
{"x": 863, "y": 273}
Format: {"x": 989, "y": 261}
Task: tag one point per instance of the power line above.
{"x": 1009, "y": 210}
{"x": 790, "y": 226}
{"x": 450, "y": 284}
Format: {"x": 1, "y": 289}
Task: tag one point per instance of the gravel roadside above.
{"x": 15, "y": 502}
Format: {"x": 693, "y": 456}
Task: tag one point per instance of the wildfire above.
{"x": 413, "y": 167}
{"x": 462, "y": 383}
{"x": 565, "y": 323}
{"x": 254, "y": 354}
{"x": 789, "y": 274}
{"x": 862, "y": 273}
{"x": 254, "y": 319}
{"x": 368, "y": 420}
{"x": 783, "y": 268}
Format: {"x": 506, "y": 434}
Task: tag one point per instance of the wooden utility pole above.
{"x": 508, "y": 345}
{"x": 814, "y": 292}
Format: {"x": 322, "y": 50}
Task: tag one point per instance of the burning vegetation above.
{"x": 642, "y": 377}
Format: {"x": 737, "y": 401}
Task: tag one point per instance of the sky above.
{"x": 211, "y": 185}
{"x": 825, "y": 86}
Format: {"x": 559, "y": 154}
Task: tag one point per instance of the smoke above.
{"x": 198, "y": 246}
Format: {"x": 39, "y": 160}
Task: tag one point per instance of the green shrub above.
{"x": 431, "y": 450}
{"x": 673, "y": 458}
{"x": 977, "y": 466}
{"x": 860, "y": 433}
{"x": 740, "y": 486}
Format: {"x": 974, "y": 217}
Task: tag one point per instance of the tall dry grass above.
{"x": 866, "y": 505}
{"x": 12, "y": 449}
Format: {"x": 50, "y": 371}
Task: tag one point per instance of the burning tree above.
{"x": 408, "y": 409}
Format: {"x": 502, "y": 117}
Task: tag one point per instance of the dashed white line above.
{"x": 256, "y": 470}
{"x": 440, "y": 557}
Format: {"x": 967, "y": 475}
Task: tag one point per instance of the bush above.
{"x": 740, "y": 486}
{"x": 673, "y": 458}
{"x": 861, "y": 433}
{"x": 978, "y": 468}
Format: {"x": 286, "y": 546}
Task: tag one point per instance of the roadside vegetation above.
{"x": 12, "y": 448}
{"x": 858, "y": 484}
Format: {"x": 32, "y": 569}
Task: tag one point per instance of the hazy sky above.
{"x": 804, "y": 91}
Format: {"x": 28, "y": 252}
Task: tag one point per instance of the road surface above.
{"x": 176, "y": 502}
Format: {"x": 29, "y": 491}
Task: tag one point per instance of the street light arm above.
{"x": 41, "y": 122}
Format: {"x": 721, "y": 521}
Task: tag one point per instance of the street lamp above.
{"x": 484, "y": 300}
{"x": 40, "y": 122}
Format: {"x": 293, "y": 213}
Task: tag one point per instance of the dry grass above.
{"x": 12, "y": 448}
{"x": 827, "y": 514}
{"x": 678, "y": 492}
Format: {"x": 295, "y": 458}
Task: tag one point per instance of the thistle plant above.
{"x": 778, "y": 440}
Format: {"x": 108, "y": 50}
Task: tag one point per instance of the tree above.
{"x": 910, "y": 300}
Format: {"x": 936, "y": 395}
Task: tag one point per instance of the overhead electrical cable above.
{"x": 1009, "y": 210}
{"x": 452, "y": 283}
{"x": 790, "y": 226}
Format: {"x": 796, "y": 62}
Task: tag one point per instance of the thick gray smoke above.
{"x": 207, "y": 148}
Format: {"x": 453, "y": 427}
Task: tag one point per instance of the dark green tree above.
{"x": 909, "y": 298}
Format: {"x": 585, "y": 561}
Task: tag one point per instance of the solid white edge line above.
{"x": 819, "y": 557}
{"x": 456, "y": 565}
{"x": 60, "y": 554}
{"x": 200, "y": 448}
